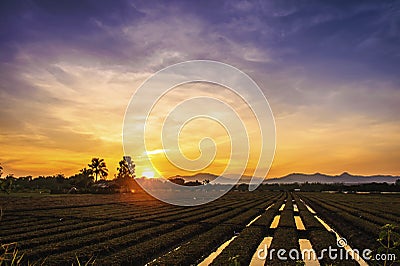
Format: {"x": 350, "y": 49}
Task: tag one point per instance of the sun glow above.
{"x": 148, "y": 174}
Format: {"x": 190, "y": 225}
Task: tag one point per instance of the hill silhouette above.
{"x": 344, "y": 178}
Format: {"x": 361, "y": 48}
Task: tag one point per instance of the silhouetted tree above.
{"x": 84, "y": 179}
{"x": 398, "y": 182}
{"x": 11, "y": 176}
{"x": 7, "y": 184}
{"x": 192, "y": 183}
{"x": 60, "y": 178}
{"x": 88, "y": 173}
{"x": 131, "y": 165}
{"x": 177, "y": 180}
{"x": 124, "y": 170}
{"x": 99, "y": 168}
{"x": 126, "y": 173}
{"x": 1, "y": 170}
{"x": 27, "y": 178}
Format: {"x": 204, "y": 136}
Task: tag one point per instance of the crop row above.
{"x": 94, "y": 232}
{"x": 361, "y": 210}
{"x": 50, "y": 226}
{"x": 144, "y": 252}
{"x": 96, "y": 212}
{"x": 358, "y": 220}
{"x": 359, "y": 232}
{"x": 285, "y": 235}
{"x": 10, "y": 228}
{"x": 242, "y": 248}
{"x": 160, "y": 212}
{"x": 189, "y": 214}
{"x": 105, "y": 242}
{"x": 379, "y": 205}
{"x": 192, "y": 251}
{"x": 308, "y": 219}
{"x": 319, "y": 237}
{"x": 98, "y": 243}
{"x": 20, "y": 204}
{"x": 51, "y": 229}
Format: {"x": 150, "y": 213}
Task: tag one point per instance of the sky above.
{"x": 329, "y": 69}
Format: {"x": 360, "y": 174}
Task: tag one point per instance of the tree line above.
{"x": 93, "y": 179}
{"x": 90, "y": 179}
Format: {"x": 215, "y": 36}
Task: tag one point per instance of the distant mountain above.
{"x": 345, "y": 178}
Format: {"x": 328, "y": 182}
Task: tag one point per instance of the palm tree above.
{"x": 99, "y": 168}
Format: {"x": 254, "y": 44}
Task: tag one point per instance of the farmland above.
{"x": 136, "y": 229}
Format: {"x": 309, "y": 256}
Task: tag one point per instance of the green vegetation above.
{"x": 9, "y": 254}
{"x": 389, "y": 240}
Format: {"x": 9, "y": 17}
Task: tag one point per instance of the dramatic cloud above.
{"x": 329, "y": 71}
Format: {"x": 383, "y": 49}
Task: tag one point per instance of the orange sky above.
{"x": 63, "y": 138}
{"x": 330, "y": 75}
